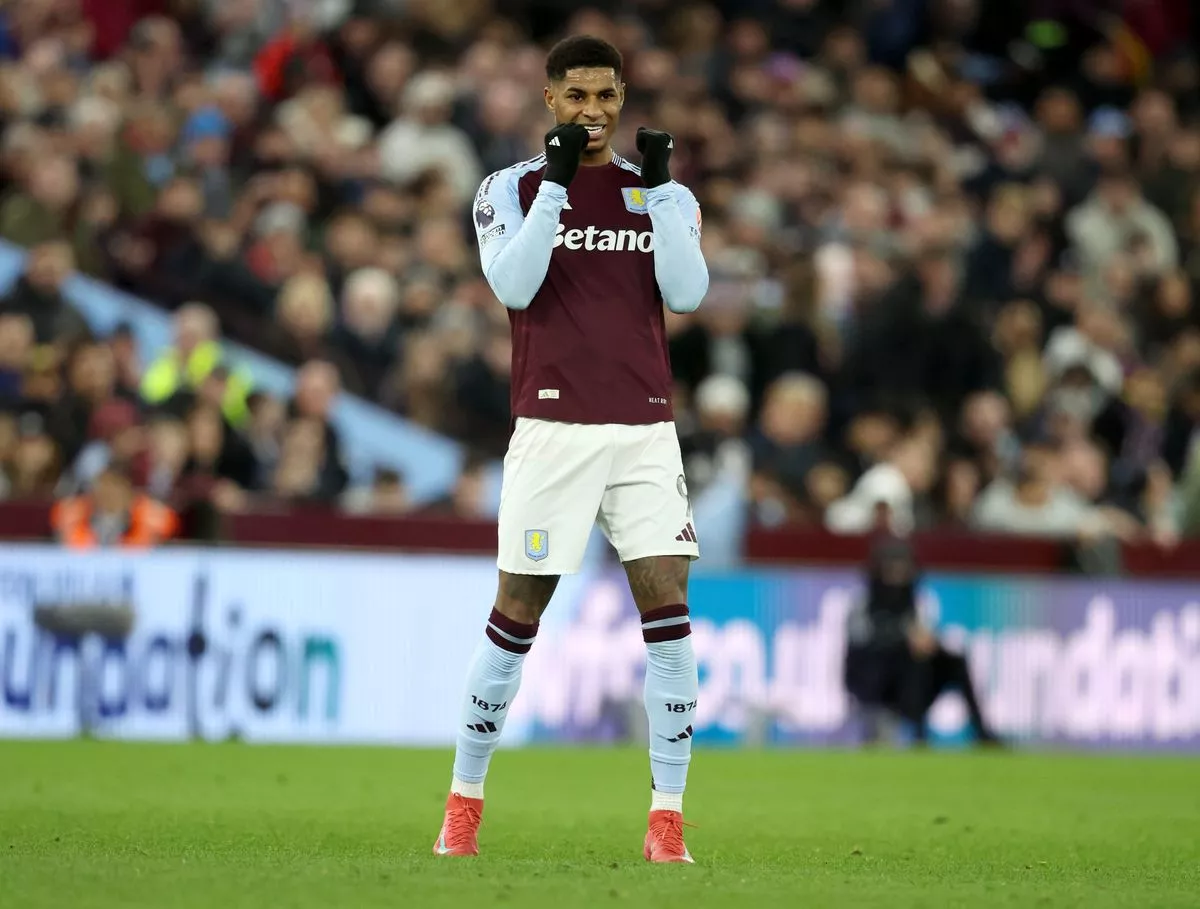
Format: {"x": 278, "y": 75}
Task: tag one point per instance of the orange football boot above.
{"x": 664, "y": 839}
{"x": 460, "y": 828}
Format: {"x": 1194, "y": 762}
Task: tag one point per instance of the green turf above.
{"x": 222, "y": 826}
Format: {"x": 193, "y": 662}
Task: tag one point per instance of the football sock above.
{"x": 671, "y": 688}
{"x": 492, "y": 683}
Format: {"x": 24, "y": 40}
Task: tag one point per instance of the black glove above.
{"x": 564, "y": 145}
{"x": 655, "y": 148}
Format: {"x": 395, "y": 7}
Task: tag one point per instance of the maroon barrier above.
{"x": 947, "y": 551}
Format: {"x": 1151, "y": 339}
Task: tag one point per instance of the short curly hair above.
{"x": 580, "y": 52}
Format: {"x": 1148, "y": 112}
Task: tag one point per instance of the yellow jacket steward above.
{"x": 166, "y": 374}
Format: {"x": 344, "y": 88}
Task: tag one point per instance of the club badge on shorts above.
{"x": 537, "y": 544}
{"x": 635, "y": 199}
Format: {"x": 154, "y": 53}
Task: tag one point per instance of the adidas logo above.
{"x": 687, "y": 535}
{"x": 555, "y": 142}
{"x": 670, "y": 143}
{"x": 686, "y": 734}
{"x": 487, "y": 727}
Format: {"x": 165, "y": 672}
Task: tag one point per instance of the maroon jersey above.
{"x": 591, "y": 347}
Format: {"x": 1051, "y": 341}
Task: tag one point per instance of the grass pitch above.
{"x": 85, "y": 824}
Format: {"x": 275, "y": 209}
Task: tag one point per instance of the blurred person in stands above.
{"x": 298, "y": 474}
{"x": 124, "y": 347}
{"x": 716, "y": 448}
{"x": 317, "y": 388}
{"x": 303, "y": 319}
{"x": 1111, "y": 219}
{"x": 195, "y": 353}
{"x": 468, "y": 499}
{"x": 168, "y": 444}
{"x": 791, "y": 431}
{"x": 206, "y": 138}
{"x": 483, "y": 385}
{"x": 8, "y": 447}
{"x": 368, "y": 332}
{"x": 387, "y": 495}
{"x": 906, "y": 475}
{"x": 986, "y": 432}
{"x": 945, "y": 357}
{"x": 424, "y": 138}
{"x": 893, "y": 659}
{"x": 38, "y": 295}
{"x": 1039, "y": 501}
{"x": 90, "y": 384}
{"x": 264, "y": 434}
{"x": 42, "y": 212}
{"x": 219, "y": 456}
{"x": 351, "y": 243}
{"x": 36, "y": 460}
{"x": 16, "y": 348}
{"x": 112, "y": 514}
{"x": 116, "y": 437}
{"x": 718, "y": 339}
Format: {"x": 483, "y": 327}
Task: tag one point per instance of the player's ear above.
{"x": 621, "y": 95}
{"x": 548, "y": 93}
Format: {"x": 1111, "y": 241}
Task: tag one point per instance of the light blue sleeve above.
{"x": 514, "y": 248}
{"x": 679, "y": 264}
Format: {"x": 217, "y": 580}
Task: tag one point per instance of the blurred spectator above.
{"x": 1037, "y": 502}
{"x": 791, "y": 428}
{"x": 1117, "y": 219}
{"x": 368, "y": 332}
{"x": 196, "y": 352}
{"x": 312, "y": 447}
{"x": 34, "y": 466}
{"x": 423, "y": 138}
{"x": 885, "y": 496}
{"x": 38, "y": 296}
{"x": 715, "y": 447}
{"x": 16, "y": 347}
{"x": 116, "y": 437}
{"x": 468, "y": 498}
{"x": 945, "y": 355}
{"x": 387, "y": 495}
{"x": 112, "y": 514}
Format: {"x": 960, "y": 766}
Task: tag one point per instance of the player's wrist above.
{"x": 655, "y": 177}
{"x": 553, "y": 189}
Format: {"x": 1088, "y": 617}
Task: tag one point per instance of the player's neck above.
{"x": 598, "y": 158}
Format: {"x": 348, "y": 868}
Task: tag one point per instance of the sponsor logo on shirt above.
{"x": 592, "y": 238}
{"x": 547, "y": 394}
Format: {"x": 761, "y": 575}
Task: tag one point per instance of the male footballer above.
{"x": 584, "y": 248}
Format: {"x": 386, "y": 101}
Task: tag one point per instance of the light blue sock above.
{"x": 672, "y": 685}
{"x": 492, "y": 683}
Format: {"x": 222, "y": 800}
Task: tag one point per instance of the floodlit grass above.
{"x": 87, "y": 824}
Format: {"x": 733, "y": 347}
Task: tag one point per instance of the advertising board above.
{"x": 330, "y": 647}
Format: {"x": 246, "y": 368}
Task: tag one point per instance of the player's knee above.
{"x": 658, "y": 581}
{"x": 524, "y": 597}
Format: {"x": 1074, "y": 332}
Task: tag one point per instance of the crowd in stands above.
{"x": 955, "y": 252}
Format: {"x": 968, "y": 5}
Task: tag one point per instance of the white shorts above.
{"x": 560, "y": 479}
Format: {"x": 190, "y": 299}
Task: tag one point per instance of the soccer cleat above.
{"x": 664, "y": 839}
{"x": 460, "y": 828}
